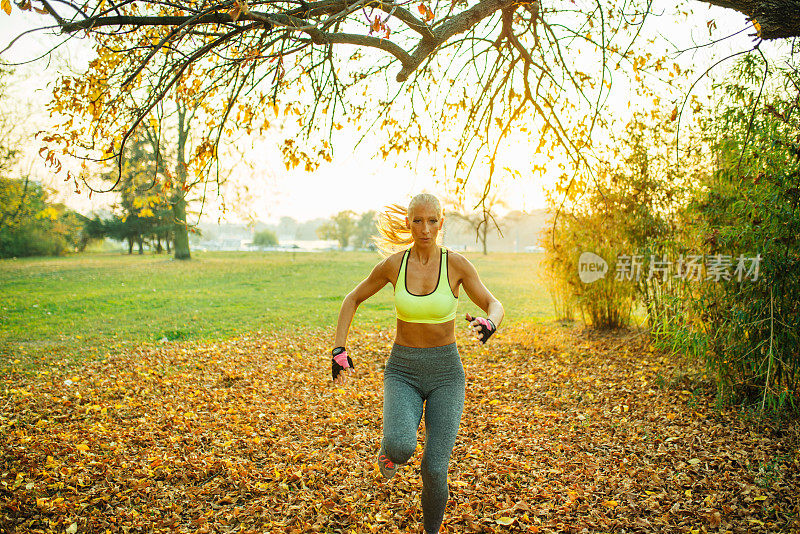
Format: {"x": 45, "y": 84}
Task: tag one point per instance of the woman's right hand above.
{"x": 341, "y": 365}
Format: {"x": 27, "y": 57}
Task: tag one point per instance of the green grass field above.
{"x": 86, "y": 305}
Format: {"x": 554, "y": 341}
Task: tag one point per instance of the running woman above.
{"x": 424, "y": 367}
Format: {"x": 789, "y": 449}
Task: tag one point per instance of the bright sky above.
{"x": 356, "y": 181}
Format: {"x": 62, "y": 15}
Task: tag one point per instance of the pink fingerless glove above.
{"x": 487, "y": 327}
{"x": 340, "y": 361}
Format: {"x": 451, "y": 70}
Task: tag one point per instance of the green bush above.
{"x": 745, "y": 328}
{"x": 605, "y": 303}
{"x": 751, "y": 209}
{"x": 31, "y": 226}
{"x": 265, "y": 238}
{"x": 628, "y": 208}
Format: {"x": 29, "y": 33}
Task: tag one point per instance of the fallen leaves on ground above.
{"x": 562, "y": 432}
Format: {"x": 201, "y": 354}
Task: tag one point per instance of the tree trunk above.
{"x": 159, "y": 248}
{"x": 181, "y": 228}
{"x": 179, "y": 200}
{"x": 141, "y": 248}
{"x": 130, "y": 245}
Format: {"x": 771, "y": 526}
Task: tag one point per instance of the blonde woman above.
{"x": 424, "y": 367}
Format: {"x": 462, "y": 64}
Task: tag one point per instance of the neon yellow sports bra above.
{"x": 438, "y": 306}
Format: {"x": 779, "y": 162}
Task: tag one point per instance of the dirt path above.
{"x": 562, "y": 432}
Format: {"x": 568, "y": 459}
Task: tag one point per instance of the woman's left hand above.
{"x": 482, "y": 327}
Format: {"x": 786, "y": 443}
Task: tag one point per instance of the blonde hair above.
{"x": 393, "y": 235}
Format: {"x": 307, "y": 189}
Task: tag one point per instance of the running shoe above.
{"x": 387, "y": 467}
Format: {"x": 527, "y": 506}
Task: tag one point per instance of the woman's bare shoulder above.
{"x": 390, "y": 264}
{"x": 458, "y": 263}
{"x": 456, "y": 259}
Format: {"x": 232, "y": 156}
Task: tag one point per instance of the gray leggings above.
{"x": 433, "y": 375}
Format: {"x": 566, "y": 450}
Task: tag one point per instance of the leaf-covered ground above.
{"x": 563, "y": 431}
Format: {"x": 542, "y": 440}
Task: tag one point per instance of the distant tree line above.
{"x": 349, "y": 228}
{"x": 288, "y": 227}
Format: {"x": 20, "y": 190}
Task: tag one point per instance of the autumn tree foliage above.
{"x": 31, "y": 222}
{"x": 493, "y": 67}
{"x": 366, "y": 230}
{"x": 143, "y": 210}
{"x": 631, "y": 209}
{"x": 8, "y": 152}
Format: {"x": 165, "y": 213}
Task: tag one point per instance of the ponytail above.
{"x": 393, "y": 235}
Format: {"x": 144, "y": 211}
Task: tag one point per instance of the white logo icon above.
{"x": 591, "y": 267}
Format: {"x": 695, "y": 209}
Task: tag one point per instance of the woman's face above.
{"x": 424, "y": 222}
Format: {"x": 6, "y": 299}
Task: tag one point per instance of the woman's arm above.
{"x": 378, "y": 278}
{"x": 478, "y": 293}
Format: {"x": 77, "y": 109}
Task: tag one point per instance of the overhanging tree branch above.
{"x": 512, "y": 65}
{"x": 453, "y": 26}
{"x": 777, "y": 19}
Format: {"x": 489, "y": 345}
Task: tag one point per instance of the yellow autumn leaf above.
{"x": 610, "y": 504}
{"x": 48, "y": 213}
{"x": 505, "y": 520}
{"x": 760, "y": 498}
{"x": 82, "y": 447}
{"x": 6, "y": 5}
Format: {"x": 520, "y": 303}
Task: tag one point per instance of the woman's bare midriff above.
{"x": 425, "y": 334}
